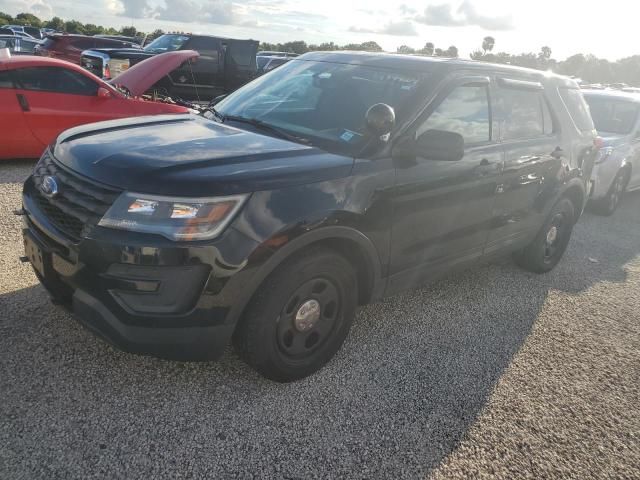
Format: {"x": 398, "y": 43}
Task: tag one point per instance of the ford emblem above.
{"x": 49, "y": 186}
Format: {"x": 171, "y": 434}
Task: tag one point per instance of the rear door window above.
{"x": 578, "y": 109}
{"x": 464, "y": 111}
{"x": 525, "y": 114}
{"x": 55, "y": 80}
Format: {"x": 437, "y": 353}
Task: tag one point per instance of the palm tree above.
{"x": 487, "y": 44}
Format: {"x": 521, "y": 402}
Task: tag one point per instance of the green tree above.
{"x": 370, "y": 46}
{"x": 155, "y": 34}
{"x": 439, "y": 52}
{"x": 452, "y": 52}
{"x": 405, "y": 49}
{"x": 128, "y": 31}
{"x": 91, "y": 29}
{"x": 73, "y": 26}
{"x": 55, "y": 23}
{"x": 487, "y": 44}
{"x": 28, "y": 19}
{"x": 5, "y": 19}
{"x": 428, "y": 49}
{"x": 545, "y": 52}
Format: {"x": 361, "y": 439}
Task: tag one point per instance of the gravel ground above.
{"x": 491, "y": 373}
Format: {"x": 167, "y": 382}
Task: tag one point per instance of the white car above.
{"x": 616, "y": 117}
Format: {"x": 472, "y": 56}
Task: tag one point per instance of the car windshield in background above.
{"x": 613, "y": 116}
{"x": 262, "y": 61}
{"x": 325, "y": 103}
{"x": 167, "y": 43}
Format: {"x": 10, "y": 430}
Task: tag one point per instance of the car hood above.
{"x": 142, "y": 76}
{"x": 188, "y": 155}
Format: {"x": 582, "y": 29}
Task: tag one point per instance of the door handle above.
{"x": 24, "y": 104}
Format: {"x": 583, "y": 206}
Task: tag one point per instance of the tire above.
{"x": 610, "y": 203}
{"x": 549, "y": 245}
{"x": 299, "y": 317}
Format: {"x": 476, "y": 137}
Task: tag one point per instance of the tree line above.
{"x": 588, "y": 68}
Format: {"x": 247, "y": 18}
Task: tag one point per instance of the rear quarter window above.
{"x": 578, "y": 108}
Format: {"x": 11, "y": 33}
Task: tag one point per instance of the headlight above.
{"x": 174, "y": 218}
{"x": 605, "y": 153}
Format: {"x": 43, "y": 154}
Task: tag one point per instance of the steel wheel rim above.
{"x": 308, "y": 318}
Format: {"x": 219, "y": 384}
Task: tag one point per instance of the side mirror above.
{"x": 104, "y": 93}
{"x": 380, "y": 119}
{"x": 441, "y": 145}
{"x": 432, "y": 145}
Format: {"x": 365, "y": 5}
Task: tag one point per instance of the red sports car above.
{"x": 41, "y": 97}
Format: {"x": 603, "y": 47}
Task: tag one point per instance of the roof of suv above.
{"x": 417, "y": 62}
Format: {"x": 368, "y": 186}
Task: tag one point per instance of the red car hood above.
{"x": 142, "y": 76}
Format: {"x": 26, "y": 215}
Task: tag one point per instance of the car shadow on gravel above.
{"x": 411, "y": 379}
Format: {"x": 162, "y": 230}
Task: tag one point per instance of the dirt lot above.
{"x": 491, "y": 373}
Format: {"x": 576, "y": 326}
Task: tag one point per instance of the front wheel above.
{"x": 546, "y": 250}
{"x": 300, "y": 317}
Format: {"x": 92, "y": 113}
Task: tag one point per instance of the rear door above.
{"x": 531, "y": 142}
{"x": 17, "y": 139}
{"x": 54, "y": 99}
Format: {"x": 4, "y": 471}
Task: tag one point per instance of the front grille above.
{"x": 79, "y": 204}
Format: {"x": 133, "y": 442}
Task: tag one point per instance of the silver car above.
{"x": 616, "y": 117}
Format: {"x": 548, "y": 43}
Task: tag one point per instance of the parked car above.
{"x": 334, "y": 180}
{"x": 617, "y": 169}
{"x": 18, "y": 45}
{"x": 69, "y": 47}
{"x": 30, "y": 31}
{"x": 224, "y": 64}
{"x": 270, "y": 53}
{"x": 41, "y": 97}
{"x": 266, "y": 64}
{"x": 123, "y": 38}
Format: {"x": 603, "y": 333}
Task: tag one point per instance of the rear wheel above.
{"x": 610, "y": 203}
{"x": 300, "y": 316}
{"x": 546, "y": 250}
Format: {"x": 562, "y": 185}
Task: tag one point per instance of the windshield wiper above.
{"x": 267, "y": 127}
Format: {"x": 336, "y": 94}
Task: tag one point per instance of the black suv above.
{"x": 333, "y": 181}
{"x": 224, "y": 64}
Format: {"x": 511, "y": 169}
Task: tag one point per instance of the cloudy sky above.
{"x": 567, "y": 26}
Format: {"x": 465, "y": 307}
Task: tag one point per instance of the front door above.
{"x": 16, "y": 140}
{"x": 443, "y": 209}
{"x": 55, "y": 99}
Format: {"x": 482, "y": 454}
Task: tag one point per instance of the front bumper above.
{"x": 142, "y": 293}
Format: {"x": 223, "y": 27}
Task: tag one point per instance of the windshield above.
{"x": 325, "y": 103}
{"x": 167, "y": 43}
{"x": 613, "y": 116}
